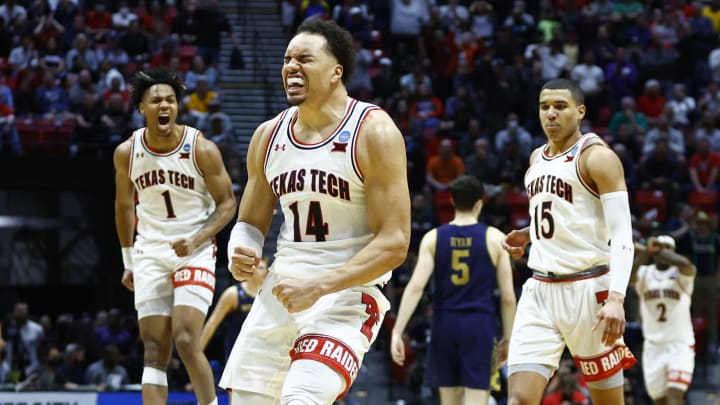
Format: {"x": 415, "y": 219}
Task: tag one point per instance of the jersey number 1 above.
{"x": 314, "y": 224}
{"x": 168, "y": 204}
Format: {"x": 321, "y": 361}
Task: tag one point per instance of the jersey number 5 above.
{"x": 314, "y": 224}
{"x": 544, "y": 217}
{"x": 461, "y": 270}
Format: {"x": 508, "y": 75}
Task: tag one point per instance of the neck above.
{"x": 324, "y": 112}
{"x": 164, "y": 143}
{"x": 465, "y": 217}
{"x": 561, "y": 145}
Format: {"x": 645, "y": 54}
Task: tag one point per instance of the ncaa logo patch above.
{"x": 344, "y": 136}
{"x": 186, "y": 147}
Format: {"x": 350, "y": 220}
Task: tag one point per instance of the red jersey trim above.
{"x": 593, "y": 190}
{"x": 198, "y": 134}
{"x": 607, "y": 364}
{"x": 329, "y": 351}
{"x": 158, "y": 153}
{"x": 194, "y": 276}
{"x": 291, "y": 127}
{"x": 273, "y": 135}
{"x": 353, "y": 157}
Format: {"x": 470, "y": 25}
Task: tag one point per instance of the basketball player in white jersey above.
{"x": 581, "y": 257}
{"x": 184, "y": 197}
{"x": 664, "y": 282}
{"x": 338, "y": 168}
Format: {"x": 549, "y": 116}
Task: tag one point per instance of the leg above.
{"x": 526, "y": 388}
{"x": 660, "y": 401}
{"x": 451, "y": 396}
{"x": 186, "y": 326}
{"x": 239, "y": 397}
{"x": 310, "y": 382}
{"x": 675, "y": 397}
{"x": 475, "y": 396}
{"x": 609, "y": 391}
{"x": 157, "y": 342}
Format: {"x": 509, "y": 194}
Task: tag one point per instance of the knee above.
{"x": 186, "y": 342}
{"x": 155, "y": 349}
{"x": 517, "y": 398}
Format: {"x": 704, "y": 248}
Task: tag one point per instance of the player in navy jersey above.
{"x": 184, "y": 198}
{"x": 232, "y": 308}
{"x": 468, "y": 265}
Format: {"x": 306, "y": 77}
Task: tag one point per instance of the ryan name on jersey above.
{"x": 319, "y": 181}
{"x": 161, "y": 176}
{"x": 550, "y": 184}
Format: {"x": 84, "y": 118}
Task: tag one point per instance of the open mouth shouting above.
{"x": 294, "y": 85}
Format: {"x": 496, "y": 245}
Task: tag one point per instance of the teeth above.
{"x": 295, "y": 81}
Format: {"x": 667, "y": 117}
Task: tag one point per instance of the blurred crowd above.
{"x": 460, "y": 78}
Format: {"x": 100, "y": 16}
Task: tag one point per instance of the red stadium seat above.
{"x": 705, "y": 200}
{"x": 646, "y": 200}
{"x": 444, "y": 209}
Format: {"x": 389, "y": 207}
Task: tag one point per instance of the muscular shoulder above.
{"x": 121, "y": 156}
{"x": 378, "y": 127}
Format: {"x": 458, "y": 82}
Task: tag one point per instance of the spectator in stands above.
{"x": 357, "y": 24}
{"x": 455, "y": 16}
{"x": 360, "y": 85}
{"x": 459, "y": 108}
{"x": 187, "y": 24}
{"x": 51, "y": 58}
{"x": 674, "y": 138}
{"x": 89, "y": 131}
{"x": 114, "y": 332}
{"x": 386, "y": 82}
{"x": 482, "y": 163}
{"x": 406, "y": 22}
{"x": 111, "y": 52}
{"x": 65, "y": 13}
{"x": 122, "y": 18}
{"x": 208, "y": 40}
{"x": 81, "y": 55}
{"x": 521, "y": 23}
{"x": 117, "y": 89}
{"x": 163, "y": 57}
{"x": 621, "y": 76}
{"x": 136, "y": 43}
{"x": 483, "y": 20}
{"x": 314, "y": 9}
{"x": 47, "y": 27}
{"x": 651, "y": 102}
{"x": 444, "y": 167}
{"x": 416, "y": 77}
{"x": 21, "y": 56}
{"x": 604, "y": 48}
{"x": 629, "y": 116}
{"x": 71, "y": 372}
{"x": 107, "y": 373}
{"x": 660, "y": 170}
{"x": 514, "y": 133}
{"x": 9, "y": 136}
{"x": 116, "y": 121}
{"x": 707, "y": 129}
{"x": 422, "y": 217}
{"x": 704, "y": 167}
{"x": 51, "y": 99}
{"x": 11, "y": 10}
{"x": 198, "y": 101}
{"x": 426, "y": 108}
{"x": 682, "y": 106}
{"x": 708, "y": 100}
{"x": 157, "y": 12}
{"x": 23, "y": 338}
{"x": 80, "y": 86}
{"x": 99, "y": 21}
{"x": 628, "y": 163}
{"x": 712, "y": 11}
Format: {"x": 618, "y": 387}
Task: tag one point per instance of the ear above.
{"x": 581, "y": 111}
{"x": 337, "y": 73}
{"x": 141, "y": 108}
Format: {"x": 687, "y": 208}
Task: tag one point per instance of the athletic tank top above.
{"x": 464, "y": 276}
{"x": 567, "y": 225}
{"x": 173, "y": 200}
{"x": 665, "y": 298}
{"x": 321, "y": 192}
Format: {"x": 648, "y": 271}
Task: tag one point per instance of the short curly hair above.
{"x": 144, "y": 79}
{"x": 339, "y": 42}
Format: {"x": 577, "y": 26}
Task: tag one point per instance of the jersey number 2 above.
{"x": 663, "y": 309}
{"x": 314, "y": 224}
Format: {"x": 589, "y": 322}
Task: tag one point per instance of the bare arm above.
{"x": 124, "y": 195}
{"x": 219, "y": 185}
{"x": 415, "y": 287}
{"x": 227, "y": 303}
{"x": 413, "y": 293}
{"x": 501, "y": 260}
{"x": 672, "y": 258}
{"x": 382, "y": 159}
{"x": 258, "y": 201}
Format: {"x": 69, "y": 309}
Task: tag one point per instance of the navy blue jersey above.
{"x": 464, "y": 275}
{"x": 234, "y": 320}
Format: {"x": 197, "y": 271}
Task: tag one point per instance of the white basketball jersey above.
{"x": 665, "y": 298}
{"x": 173, "y": 200}
{"x": 322, "y": 194}
{"x": 567, "y": 224}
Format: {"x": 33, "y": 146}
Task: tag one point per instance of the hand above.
{"x": 397, "y": 348}
{"x": 184, "y": 247}
{"x": 296, "y": 295}
{"x": 653, "y": 246}
{"x": 516, "y": 241}
{"x": 128, "y": 280}
{"x": 243, "y": 263}
{"x": 613, "y": 314}
{"x": 500, "y": 353}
